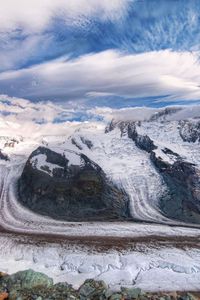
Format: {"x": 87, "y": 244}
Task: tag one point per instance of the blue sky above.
{"x": 116, "y": 53}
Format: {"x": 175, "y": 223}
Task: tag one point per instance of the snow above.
{"x": 165, "y": 157}
{"x": 152, "y": 270}
{"x": 40, "y": 162}
{"x": 127, "y": 166}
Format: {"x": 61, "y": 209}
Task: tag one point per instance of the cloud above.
{"x": 124, "y": 114}
{"x": 172, "y": 76}
{"x": 37, "y": 15}
{"x": 177, "y": 113}
{"x": 31, "y": 33}
{"x": 21, "y": 117}
{"x": 17, "y": 109}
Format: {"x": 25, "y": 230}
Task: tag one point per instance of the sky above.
{"x": 85, "y": 54}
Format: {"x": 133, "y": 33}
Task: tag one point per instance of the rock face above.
{"x": 142, "y": 141}
{"x": 189, "y": 131}
{"x": 70, "y": 187}
{"x": 183, "y": 180}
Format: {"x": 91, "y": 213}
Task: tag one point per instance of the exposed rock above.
{"x": 182, "y": 202}
{"x": 145, "y": 143}
{"x": 87, "y": 142}
{"x": 183, "y": 181}
{"x": 130, "y": 128}
{"x": 92, "y": 289}
{"x": 3, "y": 156}
{"x": 163, "y": 114}
{"x": 189, "y": 131}
{"x": 71, "y": 188}
{"x": 25, "y": 279}
{"x": 133, "y": 293}
{"x": 30, "y": 285}
{"x": 117, "y": 296}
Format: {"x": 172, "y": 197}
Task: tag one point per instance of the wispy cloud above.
{"x": 84, "y": 50}
{"x": 171, "y": 75}
{"x": 37, "y": 15}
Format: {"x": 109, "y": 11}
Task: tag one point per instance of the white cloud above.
{"x": 125, "y": 114}
{"x": 180, "y": 112}
{"x": 36, "y": 15}
{"x": 174, "y": 75}
{"x": 21, "y": 117}
{"x": 17, "y": 109}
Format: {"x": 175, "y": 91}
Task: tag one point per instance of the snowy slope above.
{"x": 128, "y": 166}
{"x": 125, "y": 164}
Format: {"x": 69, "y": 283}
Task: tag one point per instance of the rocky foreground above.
{"x": 28, "y": 285}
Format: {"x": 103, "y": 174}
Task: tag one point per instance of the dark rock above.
{"x": 3, "y": 156}
{"x": 116, "y": 296}
{"x": 94, "y": 290}
{"x": 74, "y": 142}
{"x": 24, "y": 280}
{"x": 182, "y": 201}
{"x": 132, "y": 293}
{"x": 70, "y": 192}
{"x": 145, "y": 143}
{"x": 189, "y": 131}
{"x": 87, "y": 142}
{"x": 111, "y": 126}
{"x": 60, "y": 291}
{"x": 163, "y": 114}
{"x": 130, "y": 128}
{"x": 183, "y": 180}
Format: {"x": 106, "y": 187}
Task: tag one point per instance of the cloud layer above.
{"x": 20, "y": 117}
{"x": 170, "y": 75}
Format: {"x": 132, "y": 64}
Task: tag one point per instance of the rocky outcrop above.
{"x": 163, "y": 114}
{"x": 3, "y": 156}
{"x": 32, "y": 285}
{"x": 70, "y": 187}
{"x": 130, "y": 128}
{"x": 189, "y": 131}
{"x": 183, "y": 181}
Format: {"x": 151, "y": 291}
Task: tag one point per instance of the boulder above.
{"x": 92, "y": 289}
{"x": 25, "y": 280}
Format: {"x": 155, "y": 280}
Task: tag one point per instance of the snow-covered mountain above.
{"x": 148, "y": 170}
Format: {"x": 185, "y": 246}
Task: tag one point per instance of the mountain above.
{"x": 71, "y": 187}
{"x": 141, "y": 170}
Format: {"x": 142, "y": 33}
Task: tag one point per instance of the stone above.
{"x": 108, "y": 293}
{"x": 116, "y": 296}
{"x": 92, "y": 289}
{"x": 131, "y": 293}
{"x": 25, "y": 280}
{"x": 4, "y": 296}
